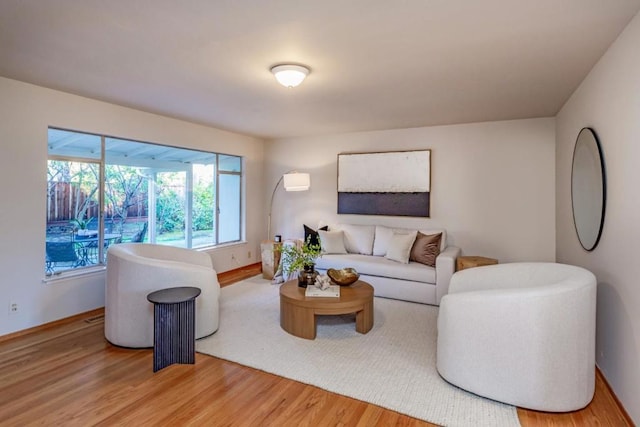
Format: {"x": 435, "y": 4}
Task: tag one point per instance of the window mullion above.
{"x": 101, "y": 184}
{"x": 188, "y": 208}
{"x": 151, "y": 206}
{"x": 216, "y": 225}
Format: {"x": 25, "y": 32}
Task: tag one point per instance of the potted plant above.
{"x": 301, "y": 259}
{"x": 81, "y": 225}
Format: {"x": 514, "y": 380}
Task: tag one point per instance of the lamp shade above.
{"x": 296, "y": 181}
{"x": 290, "y": 75}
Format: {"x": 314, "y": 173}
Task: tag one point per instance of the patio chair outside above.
{"x": 60, "y": 252}
{"x": 90, "y": 254}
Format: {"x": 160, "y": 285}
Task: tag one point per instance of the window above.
{"x": 104, "y": 190}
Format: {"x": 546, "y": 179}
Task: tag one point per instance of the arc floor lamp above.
{"x": 292, "y": 181}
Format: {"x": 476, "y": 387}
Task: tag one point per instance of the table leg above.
{"x": 298, "y": 321}
{"x": 174, "y": 334}
{"x": 364, "y": 318}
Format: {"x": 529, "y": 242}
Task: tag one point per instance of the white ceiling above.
{"x": 376, "y": 64}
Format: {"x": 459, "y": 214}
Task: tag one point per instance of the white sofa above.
{"x": 366, "y": 248}
{"x": 136, "y": 269}
{"x": 521, "y": 333}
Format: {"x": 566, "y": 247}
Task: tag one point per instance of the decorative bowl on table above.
{"x": 344, "y": 276}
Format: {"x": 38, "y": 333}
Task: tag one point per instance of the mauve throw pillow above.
{"x": 312, "y": 235}
{"x": 426, "y": 249}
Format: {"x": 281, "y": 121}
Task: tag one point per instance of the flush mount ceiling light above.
{"x": 289, "y": 75}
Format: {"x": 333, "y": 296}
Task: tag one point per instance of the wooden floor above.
{"x": 67, "y": 374}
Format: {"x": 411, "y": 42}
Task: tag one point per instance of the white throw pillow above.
{"x": 332, "y": 242}
{"x": 400, "y": 247}
{"x": 358, "y": 239}
{"x": 383, "y": 237}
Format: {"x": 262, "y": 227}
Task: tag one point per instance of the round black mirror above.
{"x": 588, "y": 189}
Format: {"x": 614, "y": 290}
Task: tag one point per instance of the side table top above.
{"x": 173, "y": 295}
{"x": 469, "y": 261}
{"x": 478, "y": 259}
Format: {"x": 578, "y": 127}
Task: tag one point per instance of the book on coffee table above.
{"x": 331, "y": 291}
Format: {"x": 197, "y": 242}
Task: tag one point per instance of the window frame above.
{"x": 240, "y": 200}
{"x": 189, "y": 197}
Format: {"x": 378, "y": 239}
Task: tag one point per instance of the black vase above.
{"x": 307, "y": 277}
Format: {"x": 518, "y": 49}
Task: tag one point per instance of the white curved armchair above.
{"x": 521, "y": 333}
{"x": 136, "y": 269}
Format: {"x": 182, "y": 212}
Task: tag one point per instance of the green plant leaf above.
{"x": 294, "y": 258}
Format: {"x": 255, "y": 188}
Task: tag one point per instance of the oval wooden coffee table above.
{"x": 298, "y": 313}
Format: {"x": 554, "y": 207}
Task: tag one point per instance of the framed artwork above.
{"x": 394, "y": 183}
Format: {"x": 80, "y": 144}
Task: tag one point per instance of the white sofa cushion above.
{"x": 358, "y": 239}
{"x": 379, "y": 266}
{"x": 332, "y": 242}
{"x": 400, "y": 247}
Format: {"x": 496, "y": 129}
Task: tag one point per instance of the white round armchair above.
{"x": 521, "y": 333}
{"x": 136, "y": 269}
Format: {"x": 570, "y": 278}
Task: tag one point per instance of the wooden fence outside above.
{"x": 65, "y": 197}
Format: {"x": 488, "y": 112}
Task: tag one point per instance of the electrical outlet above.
{"x": 13, "y": 308}
{"x": 249, "y": 254}
{"x": 233, "y": 257}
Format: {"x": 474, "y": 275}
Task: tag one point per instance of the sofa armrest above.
{"x": 445, "y": 267}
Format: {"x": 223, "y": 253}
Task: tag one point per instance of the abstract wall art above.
{"x": 395, "y": 183}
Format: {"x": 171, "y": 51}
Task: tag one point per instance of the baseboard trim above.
{"x": 45, "y": 326}
{"x": 237, "y": 274}
{"x": 621, "y": 407}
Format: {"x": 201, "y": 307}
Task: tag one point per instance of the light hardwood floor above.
{"x": 67, "y": 374}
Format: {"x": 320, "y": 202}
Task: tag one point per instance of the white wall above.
{"x": 609, "y": 101}
{"x": 26, "y": 111}
{"x": 493, "y": 184}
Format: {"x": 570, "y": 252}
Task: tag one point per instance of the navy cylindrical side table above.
{"x": 174, "y": 330}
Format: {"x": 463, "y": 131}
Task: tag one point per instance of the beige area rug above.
{"x": 393, "y": 366}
